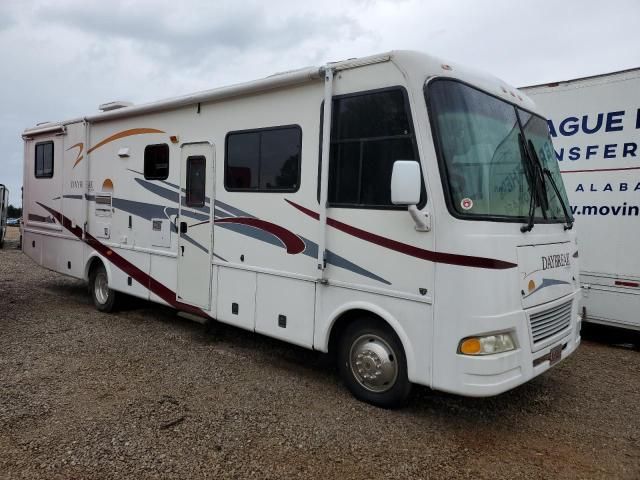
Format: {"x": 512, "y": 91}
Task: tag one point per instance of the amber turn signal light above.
{"x": 470, "y": 346}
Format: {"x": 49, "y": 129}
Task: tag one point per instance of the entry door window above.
{"x": 196, "y": 180}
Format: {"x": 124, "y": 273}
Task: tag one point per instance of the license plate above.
{"x": 555, "y": 354}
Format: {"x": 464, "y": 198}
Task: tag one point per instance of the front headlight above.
{"x": 487, "y": 345}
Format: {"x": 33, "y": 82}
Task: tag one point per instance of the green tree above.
{"x": 14, "y": 212}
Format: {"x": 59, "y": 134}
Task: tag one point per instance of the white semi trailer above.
{"x": 400, "y": 211}
{"x": 595, "y": 126}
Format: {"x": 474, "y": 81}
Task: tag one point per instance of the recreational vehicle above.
{"x": 404, "y": 213}
{"x": 4, "y": 205}
{"x": 594, "y": 123}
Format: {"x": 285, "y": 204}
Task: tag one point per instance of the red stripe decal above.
{"x": 290, "y": 240}
{"x": 627, "y": 284}
{"x": 127, "y": 267}
{"x": 437, "y": 257}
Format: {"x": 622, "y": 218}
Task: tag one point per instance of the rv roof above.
{"x": 409, "y": 59}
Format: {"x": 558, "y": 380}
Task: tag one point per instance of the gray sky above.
{"x": 62, "y": 58}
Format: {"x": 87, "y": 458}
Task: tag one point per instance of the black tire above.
{"x": 374, "y": 339}
{"x": 107, "y": 301}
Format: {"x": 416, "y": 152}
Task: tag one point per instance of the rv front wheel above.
{"x": 373, "y": 365}
{"x": 103, "y": 297}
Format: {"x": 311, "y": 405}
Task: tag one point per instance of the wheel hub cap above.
{"x": 373, "y": 363}
{"x": 101, "y": 288}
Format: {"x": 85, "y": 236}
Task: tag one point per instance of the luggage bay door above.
{"x": 195, "y": 224}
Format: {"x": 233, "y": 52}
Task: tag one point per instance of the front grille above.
{"x": 547, "y": 323}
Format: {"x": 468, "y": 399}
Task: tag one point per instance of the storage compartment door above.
{"x": 285, "y": 308}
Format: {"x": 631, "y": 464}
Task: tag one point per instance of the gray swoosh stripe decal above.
{"x": 220, "y": 211}
{"x": 311, "y": 249}
{"x": 146, "y": 210}
{"x": 158, "y": 190}
{"x": 149, "y": 210}
{"x": 220, "y": 214}
{"x": 252, "y": 232}
{"x": 74, "y": 197}
{"x": 172, "y": 195}
{"x": 172, "y": 185}
{"x": 341, "y": 262}
{"x": 233, "y": 210}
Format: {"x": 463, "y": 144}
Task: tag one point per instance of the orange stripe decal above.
{"x": 79, "y": 157}
{"x": 115, "y": 136}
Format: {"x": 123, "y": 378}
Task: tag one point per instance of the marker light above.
{"x": 487, "y": 345}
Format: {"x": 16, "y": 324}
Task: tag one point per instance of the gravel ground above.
{"x": 145, "y": 394}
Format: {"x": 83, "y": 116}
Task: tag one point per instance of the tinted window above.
{"x": 44, "y": 160}
{"x": 196, "y": 181}
{"x": 370, "y": 115}
{"x": 263, "y": 160}
{"x": 369, "y": 132}
{"x": 243, "y": 161}
{"x": 156, "y": 162}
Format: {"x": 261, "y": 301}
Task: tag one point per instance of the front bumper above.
{"x": 483, "y": 376}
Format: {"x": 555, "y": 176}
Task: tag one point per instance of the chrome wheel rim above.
{"x": 101, "y": 288}
{"x": 373, "y": 363}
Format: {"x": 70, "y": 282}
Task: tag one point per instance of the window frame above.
{"x": 187, "y": 190}
{"x": 442, "y": 167}
{"x": 144, "y": 160}
{"x": 412, "y": 136}
{"x": 35, "y": 159}
{"x": 260, "y": 131}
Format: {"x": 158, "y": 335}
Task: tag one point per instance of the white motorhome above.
{"x": 4, "y": 205}
{"x": 594, "y": 123}
{"x": 393, "y": 210}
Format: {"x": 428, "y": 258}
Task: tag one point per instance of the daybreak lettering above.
{"x": 555, "y": 261}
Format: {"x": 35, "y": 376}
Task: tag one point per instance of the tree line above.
{"x": 14, "y": 212}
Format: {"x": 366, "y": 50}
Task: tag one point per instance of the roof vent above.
{"x": 106, "y": 107}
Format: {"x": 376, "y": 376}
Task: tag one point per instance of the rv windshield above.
{"x": 488, "y": 149}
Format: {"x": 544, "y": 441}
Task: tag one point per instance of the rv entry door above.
{"x": 195, "y": 225}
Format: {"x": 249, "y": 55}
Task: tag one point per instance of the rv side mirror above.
{"x": 405, "y": 182}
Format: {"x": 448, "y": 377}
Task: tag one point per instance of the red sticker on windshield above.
{"x": 466, "y": 204}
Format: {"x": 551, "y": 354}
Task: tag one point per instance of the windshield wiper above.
{"x": 567, "y": 217}
{"x": 534, "y": 176}
{"x": 547, "y": 172}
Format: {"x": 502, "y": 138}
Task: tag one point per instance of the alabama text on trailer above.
{"x": 404, "y": 213}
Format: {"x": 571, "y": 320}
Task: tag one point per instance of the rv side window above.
{"x": 266, "y": 160}
{"x": 44, "y": 160}
{"x": 196, "y": 179}
{"x": 156, "y": 162}
{"x": 369, "y": 132}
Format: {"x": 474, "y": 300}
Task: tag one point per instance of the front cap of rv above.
{"x": 495, "y": 328}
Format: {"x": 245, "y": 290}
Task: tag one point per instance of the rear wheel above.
{"x": 373, "y": 365}
{"x": 104, "y": 298}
